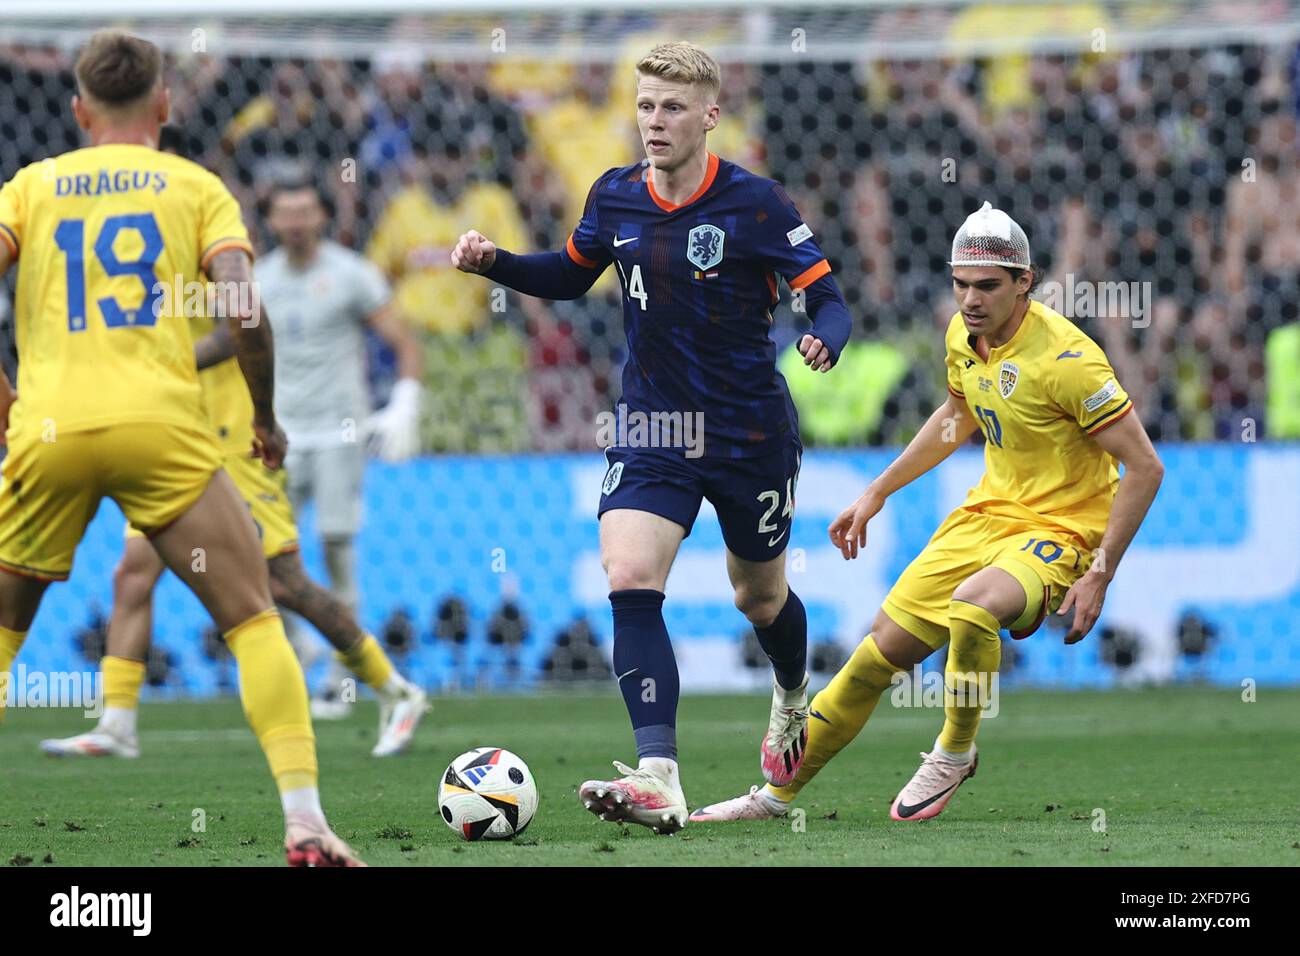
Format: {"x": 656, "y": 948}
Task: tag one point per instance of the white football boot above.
{"x": 398, "y": 719}
{"x": 755, "y": 805}
{"x": 932, "y": 786}
{"x": 94, "y": 743}
{"x": 784, "y": 746}
{"x": 647, "y": 795}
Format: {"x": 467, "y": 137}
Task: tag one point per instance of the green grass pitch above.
{"x": 1188, "y": 776}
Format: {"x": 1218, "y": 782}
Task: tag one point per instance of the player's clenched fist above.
{"x": 849, "y": 530}
{"x": 270, "y": 444}
{"x": 474, "y": 253}
{"x": 815, "y": 354}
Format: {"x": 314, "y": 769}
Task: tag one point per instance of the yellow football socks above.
{"x": 840, "y": 710}
{"x": 121, "y": 681}
{"x": 974, "y": 653}
{"x": 10, "y": 643}
{"x": 368, "y": 661}
{"x": 274, "y": 695}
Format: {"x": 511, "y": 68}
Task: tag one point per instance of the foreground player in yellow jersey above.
{"x": 230, "y": 411}
{"x": 108, "y": 401}
{"x": 1043, "y": 531}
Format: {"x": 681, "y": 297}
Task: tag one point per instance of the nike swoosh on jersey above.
{"x": 905, "y": 811}
{"x": 623, "y": 242}
{"x": 1068, "y": 354}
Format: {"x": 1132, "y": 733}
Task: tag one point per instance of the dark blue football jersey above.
{"x": 699, "y": 283}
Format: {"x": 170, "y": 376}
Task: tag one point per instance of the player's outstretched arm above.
{"x": 939, "y": 437}
{"x": 397, "y": 335}
{"x": 1128, "y": 443}
{"x": 546, "y": 275}
{"x": 832, "y": 325}
{"x": 232, "y": 275}
{"x": 214, "y": 348}
{"x": 395, "y": 428}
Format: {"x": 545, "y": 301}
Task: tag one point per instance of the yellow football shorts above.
{"x": 52, "y": 489}
{"x": 967, "y": 542}
{"x": 265, "y": 493}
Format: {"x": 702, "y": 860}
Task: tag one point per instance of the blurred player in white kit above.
{"x": 323, "y": 296}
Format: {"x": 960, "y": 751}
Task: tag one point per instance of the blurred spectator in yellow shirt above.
{"x": 585, "y": 132}
{"x": 477, "y": 367}
{"x": 1007, "y": 82}
{"x": 422, "y": 221}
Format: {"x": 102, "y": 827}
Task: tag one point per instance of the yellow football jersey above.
{"x": 110, "y": 240}
{"x": 1038, "y": 398}
{"x": 226, "y": 398}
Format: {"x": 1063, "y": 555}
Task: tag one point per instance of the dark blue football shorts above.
{"x": 754, "y": 497}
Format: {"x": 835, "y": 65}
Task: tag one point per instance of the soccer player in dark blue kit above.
{"x": 698, "y": 243}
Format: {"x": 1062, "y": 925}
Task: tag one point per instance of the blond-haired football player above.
{"x": 109, "y": 404}
{"x": 1043, "y": 531}
{"x": 699, "y": 244}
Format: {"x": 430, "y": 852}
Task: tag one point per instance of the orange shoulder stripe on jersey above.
{"x": 1110, "y": 418}
{"x": 810, "y": 275}
{"x": 221, "y": 245}
{"x": 710, "y": 173}
{"x": 10, "y": 239}
{"x": 578, "y": 257}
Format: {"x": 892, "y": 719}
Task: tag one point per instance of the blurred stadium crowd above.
{"x": 1176, "y": 168}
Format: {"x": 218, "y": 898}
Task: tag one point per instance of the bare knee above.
{"x": 899, "y": 647}
{"x": 761, "y": 603}
{"x": 994, "y": 590}
{"x": 135, "y": 577}
{"x": 626, "y": 574}
{"x": 241, "y": 597}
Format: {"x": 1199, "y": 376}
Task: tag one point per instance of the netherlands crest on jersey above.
{"x": 704, "y": 246}
{"x": 1007, "y": 378}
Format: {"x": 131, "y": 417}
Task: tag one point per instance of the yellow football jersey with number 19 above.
{"x": 1039, "y": 398}
{"x": 110, "y": 241}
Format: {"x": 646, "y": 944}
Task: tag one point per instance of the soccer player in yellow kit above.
{"x": 230, "y": 412}
{"x": 109, "y": 405}
{"x": 1043, "y": 531}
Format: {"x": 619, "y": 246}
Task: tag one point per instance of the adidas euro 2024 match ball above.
{"x": 487, "y": 794}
